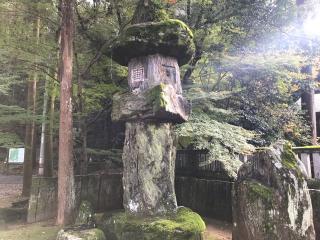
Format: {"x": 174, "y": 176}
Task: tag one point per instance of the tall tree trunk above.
{"x": 49, "y": 139}
{"x": 45, "y": 161}
{"x": 29, "y": 155}
{"x": 28, "y": 161}
{"x": 66, "y": 192}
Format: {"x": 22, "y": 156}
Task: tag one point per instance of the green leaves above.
{"x": 224, "y": 141}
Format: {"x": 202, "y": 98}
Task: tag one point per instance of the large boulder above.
{"x": 182, "y": 225}
{"x": 272, "y": 200}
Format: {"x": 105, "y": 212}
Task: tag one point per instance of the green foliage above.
{"x": 150, "y": 11}
{"x": 98, "y": 96}
{"x": 263, "y": 90}
{"x": 10, "y": 140}
{"x": 234, "y": 83}
{"x": 224, "y": 141}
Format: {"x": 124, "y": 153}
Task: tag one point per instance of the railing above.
{"x": 310, "y": 156}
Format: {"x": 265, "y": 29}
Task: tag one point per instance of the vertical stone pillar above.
{"x": 148, "y": 175}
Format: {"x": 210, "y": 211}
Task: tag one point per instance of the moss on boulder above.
{"x": 184, "y": 225}
{"x": 170, "y": 37}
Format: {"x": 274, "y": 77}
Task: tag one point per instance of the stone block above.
{"x": 43, "y": 199}
{"x": 160, "y": 104}
{"x": 170, "y": 37}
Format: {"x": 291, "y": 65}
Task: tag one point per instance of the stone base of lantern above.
{"x": 182, "y": 225}
{"x": 148, "y": 169}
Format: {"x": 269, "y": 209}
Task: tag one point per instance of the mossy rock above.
{"x": 271, "y": 198}
{"x": 85, "y": 214}
{"x": 184, "y": 225}
{"x": 170, "y": 37}
{"x": 78, "y": 234}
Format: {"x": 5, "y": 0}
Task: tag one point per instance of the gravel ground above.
{"x": 10, "y": 189}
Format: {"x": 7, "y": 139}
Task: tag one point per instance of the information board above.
{"x": 16, "y": 155}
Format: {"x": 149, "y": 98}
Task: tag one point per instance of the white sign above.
{"x": 16, "y": 155}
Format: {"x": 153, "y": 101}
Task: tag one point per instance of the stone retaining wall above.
{"x": 103, "y": 191}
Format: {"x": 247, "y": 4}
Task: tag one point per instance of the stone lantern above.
{"x": 153, "y": 47}
{"x": 153, "y": 52}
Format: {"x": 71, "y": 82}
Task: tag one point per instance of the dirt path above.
{"x": 217, "y": 230}
{"x": 10, "y": 189}
{"x": 37, "y": 231}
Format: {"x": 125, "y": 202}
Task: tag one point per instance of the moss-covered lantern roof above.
{"x": 169, "y": 37}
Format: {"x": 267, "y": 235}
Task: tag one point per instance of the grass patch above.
{"x": 37, "y": 231}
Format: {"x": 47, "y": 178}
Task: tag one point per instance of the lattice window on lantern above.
{"x": 137, "y": 74}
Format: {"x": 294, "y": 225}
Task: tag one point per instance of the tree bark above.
{"x": 50, "y": 139}
{"x": 29, "y": 155}
{"x": 45, "y": 161}
{"x": 66, "y": 192}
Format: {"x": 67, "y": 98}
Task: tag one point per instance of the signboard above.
{"x": 16, "y": 155}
